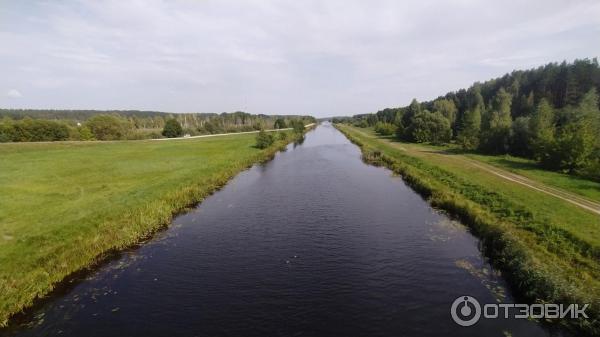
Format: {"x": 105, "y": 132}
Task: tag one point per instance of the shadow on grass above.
{"x": 442, "y": 149}
{"x": 517, "y": 165}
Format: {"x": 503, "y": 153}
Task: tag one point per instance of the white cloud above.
{"x": 13, "y": 93}
{"x": 284, "y": 56}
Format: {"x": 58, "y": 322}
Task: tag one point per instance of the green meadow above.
{"x": 65, "y": 204}
{"x": 548, "y": 249}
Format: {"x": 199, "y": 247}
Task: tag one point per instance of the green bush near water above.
{"x": 297, "y": 125}
{"x": 264, "y": 140}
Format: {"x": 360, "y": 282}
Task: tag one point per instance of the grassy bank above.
{"x": 547, "y": 249}
{"x": 64, "y": 205}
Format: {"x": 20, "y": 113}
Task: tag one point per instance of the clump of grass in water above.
{"x": 486, "y": 277}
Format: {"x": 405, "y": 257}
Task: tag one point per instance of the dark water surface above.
{"x": 313, "y": 243}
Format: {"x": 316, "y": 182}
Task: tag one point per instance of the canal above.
{"x": 312, "y": 243}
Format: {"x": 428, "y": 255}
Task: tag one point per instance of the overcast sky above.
{"x": 278, "y": 57}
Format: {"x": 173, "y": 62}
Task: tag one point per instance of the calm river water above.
{"x": 313, "y": 243}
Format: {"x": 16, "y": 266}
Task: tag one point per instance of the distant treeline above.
{"x": 79, "y": 115}
{"x": 550, "y": 114}
{"x": 57, "y": 125}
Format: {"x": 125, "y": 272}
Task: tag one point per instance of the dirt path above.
{"x": 569, "y": 197}
{"x": 561, "y": 194}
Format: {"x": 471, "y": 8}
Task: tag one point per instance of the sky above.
{"x": 323, "y": 58}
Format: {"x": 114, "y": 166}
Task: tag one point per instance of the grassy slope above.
{"x": 548, "y": 249}
{"x": 64, "y": 204}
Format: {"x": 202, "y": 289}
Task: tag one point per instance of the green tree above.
{"x": 576, "y": 142}
{"x": 520, "y": 137}
{"x": 572, "y": 89}
{"x": 280, "y": 123}
{"x": 470, "y": 125}
{"x": 525, "y": 106}
{"x": 543, "y": 130}
{"x": 430, "y": 127}
{"x": 172, "y": 129}
{"x": 447, "y": 108}
{"x": 412, "y": 110}
{"x": 496, "y": 126}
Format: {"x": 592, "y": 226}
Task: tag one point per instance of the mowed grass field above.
{"x": 548, "y": 249}
{"x": 62, "y": 205}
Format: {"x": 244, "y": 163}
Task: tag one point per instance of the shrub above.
{"x": 108, "y": 127}
{"x": 264, "y": 140}
{"x": 33, "y": 130}
{"x": 209, "y": 127}
{"x": 361, "y": 123}
{"x": 172, "y": 129}
{"x": 7, "y": 132}
{"x": 592, "y": 169}
{"x": 297, "y": 125}
{"x": 85, "y": 133}
{"x": 385, "y": 129}
{"x": 280, "y": 124}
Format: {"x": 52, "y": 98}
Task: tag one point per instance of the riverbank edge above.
{"x": 525, "y": 273}
{"x": 140, "y": 224}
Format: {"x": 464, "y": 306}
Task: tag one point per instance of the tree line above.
{"x": 550, "y": 114}
{"x": 58, "y": 125}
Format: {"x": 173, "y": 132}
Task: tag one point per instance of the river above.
{"x": 312, "y": 243}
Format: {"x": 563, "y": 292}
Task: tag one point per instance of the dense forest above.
{"x": 57, "y": 125}
{"x": 550, "y": 114}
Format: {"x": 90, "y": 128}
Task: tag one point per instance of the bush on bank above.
{"x": 264, "y": 140}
